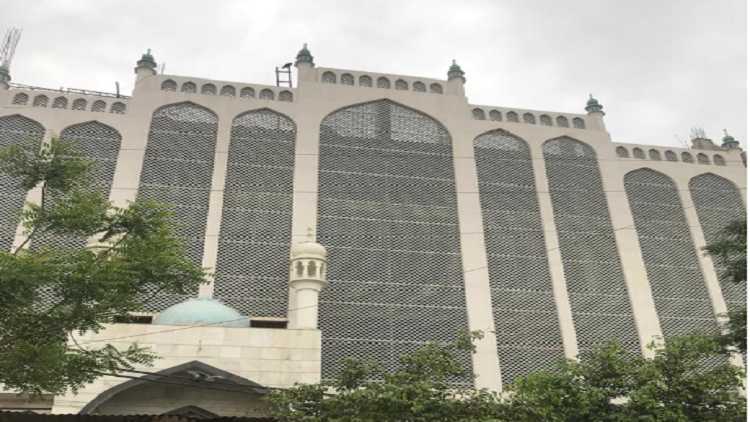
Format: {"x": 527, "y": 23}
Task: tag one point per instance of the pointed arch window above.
{"x": 579, "y": 123}
{"x": 529, "y": 118}
{"x": 169, "y": 85}
{"x": 365, "y": 81}
{"x": 562, "y": 121}
{"x": 228, "y": 91}
{"x": 79, "y": 104}
{"x": 41, "y": 101}
{"x": 189, "y": 88}
{"x": 347, "y": 79}
{"x": 512, "y": 116}
{"x": 208, "y": 89}
{"x": 21, "y": 99}
{"x": 419, "y": 86}
{"x": 99, "y": 106}
{"x": 60, "y": 102}
{"x": 383, "y": 82}
{"x": 436, "y": 88}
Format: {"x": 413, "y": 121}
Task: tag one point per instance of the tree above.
{"x": 423, "y": 388}
{"x": 729, "y": 253}
{"x": 49, "y": 293}
{"x": 687, "y": 380}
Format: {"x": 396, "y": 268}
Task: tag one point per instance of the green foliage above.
{"x": 729, "y": 253}
{"x": 420, "y": 390}
{"x": 688, "y": 380}
{"x": 136, "y": 256}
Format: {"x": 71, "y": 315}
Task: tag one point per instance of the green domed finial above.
{"x": 147, "y": 60}
{"x": 455, "y": 71}
{"x": 729, "y": 142}
{"x": 304, "y": 56}
{"x": 593, "y": 106}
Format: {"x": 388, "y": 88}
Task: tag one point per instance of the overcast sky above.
{"x": 659, "y": 67}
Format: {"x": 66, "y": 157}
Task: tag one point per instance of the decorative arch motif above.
{"x": 383, "y": 82}
{"x": 228, "y": 91}
{"x": 419, "y": 86}
{"x": 622, "y": 152}
{"x": 247, "y": 92}
{"x": 718, "y": 202}
{"x": 562, "y": 121}
{"x": 719, "y": 160}
{"x": 99, "y": 144}
{"x": 178, "y": 374}
{"x": 251, "y": 272}
{"x": 436, "y": 88}
{"x": 347, "y": 79}
{"x": 169, "y": 85}
{"x": 677, "y": 285}
{"x": 365, "y": 81}
{"x": 41, "y": 101}
{"x": 639, "y": 154}
{"x": 99, "y": 106}
{"x": 670, "y": 155}
{"x": 387, "y": 200}
{"x": 189, "y": 88}
{"x": 401, "y": 85}
{"x": 545, "y": 120}
{"x": 529, "y": 118}
{"x": 526, "y": 324}
{"x": 208, "y": 89}
{"x": 15, "y": 130}
{"x": 496, "y": 116}
{"x": 328, "y": 78}
{"x": 266, "y": 94}
{"x": 596, "y": 285}
{"x": 478, "y": 114}
{"x": 579, "y": 123}
{"x": 60, "y": 102}
{"x": 286, "y": 96}
{"x": 79, "y": 104}
{"x": 118, "y": 108}
{"x": 511, "y": 116}
{"x": 654, "y": 154}
{"x": 687, "y": 157}
{"x": 702, "y": 158}
{"x": 177, "y": 170}
{"x": 21, "y": 99}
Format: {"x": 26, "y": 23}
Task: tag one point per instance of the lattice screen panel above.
{"x": 593, "y": 272}
{"x": 251, "y": 272}
{"x": 718, "y": 203}
{"x": 22, "y": 131}
{"x": 677, "y": 285}
{"x": 100, "y": 144}
{"x": 177, "y": 170}
{"x": 526, "y": 323}
{"x": 387, "y": 214}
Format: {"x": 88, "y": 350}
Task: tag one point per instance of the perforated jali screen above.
{"x": 387, "y": 214}
{"x": 22, "y": 131}
{"x": 100, "y": 144}
{"x": 526, "y": 323}
{"x": 593, "y": 272}
{"x": 177, "y": 170}
{"x": 718, "y": 202}
{"x": 677, "y": 284}
{"x": 251, "y": 272}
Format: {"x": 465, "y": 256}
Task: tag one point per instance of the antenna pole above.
{"x": 8, "y": 49}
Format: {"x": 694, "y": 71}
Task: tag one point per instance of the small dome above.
{"x": 308, "y": 249}
{"x": 201, "y": 311}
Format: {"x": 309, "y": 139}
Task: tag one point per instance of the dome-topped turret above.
{"x": 593, "y": 106}
{"x": 308, "y": 249}
{"x": 304, "y": 56}
{"x": 729, "y": 142}
{"x": 201, "y": 311}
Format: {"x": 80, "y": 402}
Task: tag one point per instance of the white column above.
{"x": 485, "y": 362}
{"x": 706, "y": 264}
{"x": 215, "y": 204}
{"x": 633, "y": 268}
{"x": 556, "y": 269}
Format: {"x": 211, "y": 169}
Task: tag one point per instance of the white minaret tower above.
{"x": 307, "y": 277}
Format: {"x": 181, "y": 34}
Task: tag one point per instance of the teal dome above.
{"x": 201, "y": 311}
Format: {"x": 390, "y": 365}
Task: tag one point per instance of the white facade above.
{"x": 279, "y": 358}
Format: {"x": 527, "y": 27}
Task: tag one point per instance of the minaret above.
{"x": 596, "y": 113}
{"x": 305, "y": 66}
{"x": 145, "y": 67}
{"x": 307, "y": 277}
{"x": 728, "y": 141}
{"x": 456, "y": 80}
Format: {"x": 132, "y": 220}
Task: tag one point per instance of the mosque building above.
{"x": 362, "y": 215}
